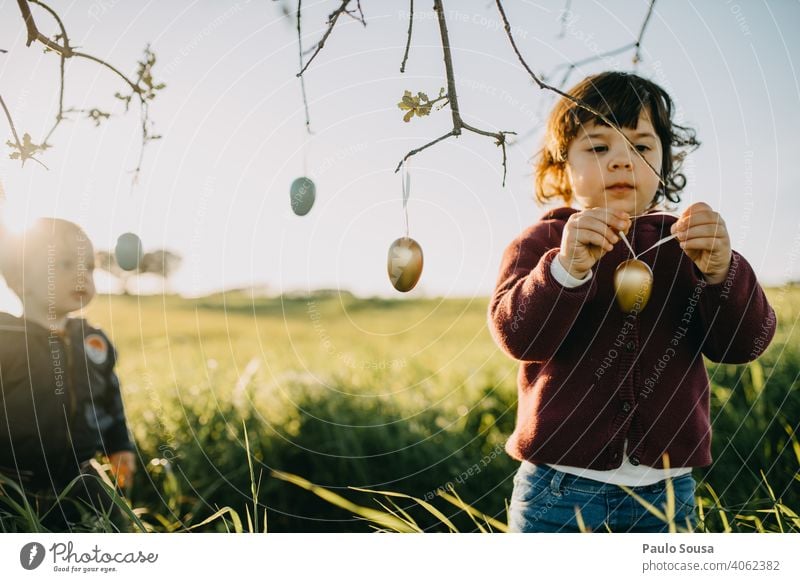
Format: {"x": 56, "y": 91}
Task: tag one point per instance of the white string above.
{"x": 661, "y": 242}
{"x": 405, "y": 178}
{"x": 306, "y": 147}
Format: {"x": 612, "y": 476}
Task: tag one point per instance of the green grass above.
{"x": 383, "y": 405}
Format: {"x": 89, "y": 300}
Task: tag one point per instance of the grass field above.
{"x": 402, "y": 396}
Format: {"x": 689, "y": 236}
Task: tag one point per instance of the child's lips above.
{"x": 620, "y": 190}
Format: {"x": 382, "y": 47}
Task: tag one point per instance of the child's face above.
{"x": 59, "y": 276}
{"x": 598, "y": 158}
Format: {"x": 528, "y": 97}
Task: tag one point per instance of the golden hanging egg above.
{"x": 633, "y": 282}
{"x": 404, "y": 263}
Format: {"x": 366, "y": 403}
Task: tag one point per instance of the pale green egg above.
{"x": 128, "y": 251}
{"x": 302, "y": 195}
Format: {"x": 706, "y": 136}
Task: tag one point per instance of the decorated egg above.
{"x": 404, "y": 263}
{"x": 633, "y": 281}
{"x": 302, "y": 195}
{"x": 128, "y": 251}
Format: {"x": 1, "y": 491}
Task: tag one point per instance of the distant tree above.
{"x": 161, "y": 262}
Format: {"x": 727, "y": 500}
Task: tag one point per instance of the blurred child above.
{"x": 60, "y": 401}
{"x": 611, "y": 398}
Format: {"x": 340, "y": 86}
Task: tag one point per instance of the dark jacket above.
{"x": 592, "y": 376}
{"x": 60, "y": 401}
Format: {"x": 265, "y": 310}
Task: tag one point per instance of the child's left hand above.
{"x": 123, "y": 466}
{"x": 704, "y": 238}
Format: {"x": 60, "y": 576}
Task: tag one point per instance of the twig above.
{"x": 408, "y": 40}
{"x": 357, "y": 14}
{"x": 331, "y": 23}
{"x": 65, "y": 51}
{"x": 426, "y": 146}
{"x": 632, "y": 45}
{"x": 564, "y": 16}
{"x": 580, "y": 103}
{"x": 65, "y": 38}
{"x": 448, "y": 66}
{"x": 572, "y": 66}
{"x": 637, "y": 55}
{"x": 302, "y": 78}
{"x": 23, "y": 155}
{"x": 11, "y": 123}
{"x": 452, "y": 95}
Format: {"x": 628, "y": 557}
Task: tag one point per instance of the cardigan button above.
{"x": 630, "y": 346}
{"x": 634, "y": 461}
{"x": 626, "y": 406}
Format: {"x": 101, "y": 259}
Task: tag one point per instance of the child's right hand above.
{"x": 588, "y": 235}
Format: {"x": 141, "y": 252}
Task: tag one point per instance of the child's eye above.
{"x": 642, "y": 148}
{"x": 598, "y": 149}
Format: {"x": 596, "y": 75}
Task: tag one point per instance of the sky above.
{"x": 215, "y": 187}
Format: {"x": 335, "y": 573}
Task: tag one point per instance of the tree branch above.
{"x": 302, "y": 78}
{"x": 576, "y": 101}
{"x": 637, "y": 55}
{"x": 25, "y": 149}
{"x": 452, "y": 96}
{"x": 331, "y": 23}
{"x": 408, "y": 39}
{"x": 426, "y": 146}
{"x": 65, "y": 51}
{"x": 10, "y": 122}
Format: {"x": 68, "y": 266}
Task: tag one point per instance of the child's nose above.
{"x": 621, "y": 161}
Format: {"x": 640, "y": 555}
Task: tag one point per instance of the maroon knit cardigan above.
{"x": 591, "y": 375}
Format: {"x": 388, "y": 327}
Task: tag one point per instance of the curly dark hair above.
{"x": 620, "y": 97}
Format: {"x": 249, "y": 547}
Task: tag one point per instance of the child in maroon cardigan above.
{"x": 611, "y": 398}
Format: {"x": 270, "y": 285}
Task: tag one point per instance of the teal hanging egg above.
{"x": 302, "y": 195}
{"x": 128, "y": 251}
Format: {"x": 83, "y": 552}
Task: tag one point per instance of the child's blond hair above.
{"x": 17, "y": 250}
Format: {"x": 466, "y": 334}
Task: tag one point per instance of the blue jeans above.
{"x": 545, "y": 500}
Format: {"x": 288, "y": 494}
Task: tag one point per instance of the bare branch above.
{"x": 426, "y": 146}
{"x": 448, "y": 66}
{"x": 452, "y": 96}
{"x": 144, "y": 87}
{"x": 572, "y": 66}
{"x": 408, "y": 40}
{"x": 302, "y": 78}
{"x": 576, "y": 101}
{"x": 635, "y": 45}
{"x": 357, "y": 14}
{"x": 331, "y": 23}
{"x": 26, "y": 150}
{"x": 10, "y": 122}
{"x": 637, "y": 56}
{"x": 30, "y": 24}
{"x": 564, "y": 16}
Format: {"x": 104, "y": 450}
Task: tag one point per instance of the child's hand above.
{"x": 588, "y": 235}
{"x": 123, "y": 466}
{"x": 704, "y": 238}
